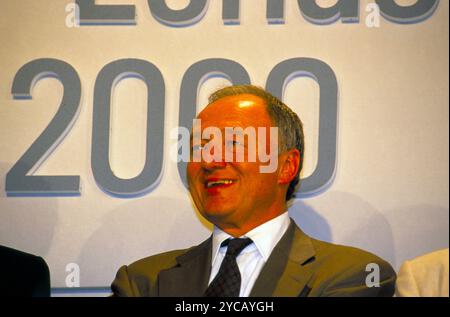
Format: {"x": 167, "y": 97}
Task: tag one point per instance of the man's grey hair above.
{"x": 290, "y": 127}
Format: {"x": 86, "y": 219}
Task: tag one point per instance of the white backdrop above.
{"x": 390, "y": 193}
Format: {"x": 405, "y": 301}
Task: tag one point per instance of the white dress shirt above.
{"x": 252, "y": 259}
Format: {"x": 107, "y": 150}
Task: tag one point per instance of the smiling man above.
{"x": 255, "y": 248}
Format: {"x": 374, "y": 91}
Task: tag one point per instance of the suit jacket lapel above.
{"x": 190, "y": 277}
{"x": 287, "y": 261}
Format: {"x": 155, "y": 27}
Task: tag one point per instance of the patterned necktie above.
{"x": 227, "y": 282}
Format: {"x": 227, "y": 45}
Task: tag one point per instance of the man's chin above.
{"x": 216, "y": 214}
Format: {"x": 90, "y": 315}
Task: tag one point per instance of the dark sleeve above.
{"x": 41, "y": 279}
{"x": 24, "y": 274}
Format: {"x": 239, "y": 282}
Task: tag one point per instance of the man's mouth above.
{"x": 215, "y": 183}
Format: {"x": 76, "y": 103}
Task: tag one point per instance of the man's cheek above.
{"x": 191, "y": 169}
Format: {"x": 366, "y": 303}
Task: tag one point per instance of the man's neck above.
{"x": 238, "y": 231}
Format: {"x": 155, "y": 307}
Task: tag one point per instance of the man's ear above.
{"x": 290, "y": 163}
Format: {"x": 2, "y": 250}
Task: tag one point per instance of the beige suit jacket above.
{"x": 425, "y": 276}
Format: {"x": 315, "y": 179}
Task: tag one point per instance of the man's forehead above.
{"x": 235, "y": 107}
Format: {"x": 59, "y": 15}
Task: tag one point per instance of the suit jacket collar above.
{"x": 288, "y": 262}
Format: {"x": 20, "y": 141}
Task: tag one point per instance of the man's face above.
{"x": 234, "y": 194}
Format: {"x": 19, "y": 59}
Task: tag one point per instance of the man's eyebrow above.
{"x": 238, "y": 131}
{"x": 234, "y": 130}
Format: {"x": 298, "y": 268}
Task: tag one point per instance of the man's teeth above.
{"x": 217, "y": 183}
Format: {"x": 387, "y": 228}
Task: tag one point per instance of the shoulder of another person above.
{"x": 17, "y": 258}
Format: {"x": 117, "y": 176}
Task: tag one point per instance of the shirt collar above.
{"x": 265, "y": 237}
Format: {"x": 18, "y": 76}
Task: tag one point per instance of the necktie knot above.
{"x": 235, "y": 246}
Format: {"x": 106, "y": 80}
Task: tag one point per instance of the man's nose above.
{"x": 214, "y": 161}
{"x": 214, "y": 165}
